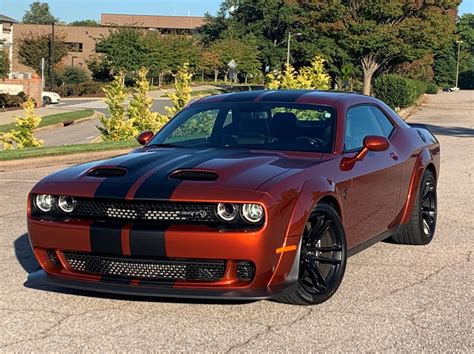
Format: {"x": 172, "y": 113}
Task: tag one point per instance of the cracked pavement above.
{"x": 393, "y": 298}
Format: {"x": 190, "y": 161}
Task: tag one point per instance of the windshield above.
{"x": 266, "y": 126}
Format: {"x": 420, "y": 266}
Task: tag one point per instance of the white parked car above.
{"x": 50, "y": 97}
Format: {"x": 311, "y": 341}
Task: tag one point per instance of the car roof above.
{"x": 289, "y": 96}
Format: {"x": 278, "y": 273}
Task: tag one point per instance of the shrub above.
{"x": 89, "y": 88}
{"x": 7, "y": 100}
{"x": 116, "y": 126}
{"x": 22, "y": 134}
{"x": 398, "y": 91}
{"x": 432, "y": 88}
{"x": 73, "y": 75}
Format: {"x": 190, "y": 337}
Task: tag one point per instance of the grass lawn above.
{"x": 55, "y": 118}
{"x": 6, "y": 155}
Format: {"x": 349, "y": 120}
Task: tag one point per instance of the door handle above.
{"x": 394, "y": 156}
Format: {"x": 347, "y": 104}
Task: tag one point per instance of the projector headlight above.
{"x": 44, "y": 202}
{"x": 252, "y": 213}
{"x": 227, "y": 211}
{"x": 66, "y": 204}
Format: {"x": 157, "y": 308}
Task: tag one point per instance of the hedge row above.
{"x": 400, "y": 92}
{"x": 7, "y": 100}
{"x": 89, "y": 88}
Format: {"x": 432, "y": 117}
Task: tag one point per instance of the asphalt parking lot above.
{"x": 398, "y": 298}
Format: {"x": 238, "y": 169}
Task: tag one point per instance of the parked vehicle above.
{"x": 254, "y": 195}
{"x": 50, "y": 97}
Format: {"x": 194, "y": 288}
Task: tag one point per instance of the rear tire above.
{"x": 47, "y": 100}
{"x": 323, "y": 259}
{"x": 421, "y": 227}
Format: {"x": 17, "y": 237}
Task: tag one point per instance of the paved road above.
{"x": 399, "y": 298}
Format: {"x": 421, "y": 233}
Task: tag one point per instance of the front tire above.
{"x": 421, "y": 227}
{"x": 323, "y": 258}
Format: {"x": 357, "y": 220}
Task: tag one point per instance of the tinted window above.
{"x": 261, "y": 125}
{"x": 360, "y": 122}
{"x": 385, "y": 124}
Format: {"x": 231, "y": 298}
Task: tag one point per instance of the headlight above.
{"x": 66, "y": 204}
{"x": 227, "y": 211}
{"x": 252, "y": 213}
{"x": 44, "y": 202}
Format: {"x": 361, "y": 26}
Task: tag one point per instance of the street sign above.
{"x": 232, "y": 64}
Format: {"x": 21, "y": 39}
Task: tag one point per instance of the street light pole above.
{"x": 289, "y": 47}
{"x": 51, "y": 58}
{"x": 457, "y": 66}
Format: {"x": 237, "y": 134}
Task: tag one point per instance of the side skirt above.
{"x": 372, "y": 241}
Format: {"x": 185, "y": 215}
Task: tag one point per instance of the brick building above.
{"x": 82, "y": 39}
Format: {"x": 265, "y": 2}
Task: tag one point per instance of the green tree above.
{"x": 89, "y": 23}
{"x": 73, "y": 75}
{"x": 4, "y": 63}
{"x": 23, "y": 133}
{"x": 384, "y": 34}
{"x": 39, "y": 14}
{"x": 123, "y": 49}
{"x": 34, "y": 46}
{"x": 140, "y": 105}
{"x": 182, "y": 91}
{"x": 116, "y": 126}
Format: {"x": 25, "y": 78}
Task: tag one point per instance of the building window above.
{"x": 75, "y": 47}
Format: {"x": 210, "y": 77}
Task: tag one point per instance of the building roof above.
{"x": 152, "y": 21}
{"x": 4, "y": 18}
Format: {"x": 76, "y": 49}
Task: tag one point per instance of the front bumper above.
{"x": 41, "y": 277}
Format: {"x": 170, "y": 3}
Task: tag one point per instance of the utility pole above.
{"x": 289, "y": 47}
{"x": 42, "y": 74}
{"x": 457, "y": 66}
{"x": 51, "y": 56}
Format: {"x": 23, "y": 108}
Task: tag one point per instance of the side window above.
{"x": 385, "y": 124}
{"x": 360, "y": 122}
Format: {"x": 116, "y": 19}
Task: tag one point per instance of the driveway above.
{"x": 397, "y": 298}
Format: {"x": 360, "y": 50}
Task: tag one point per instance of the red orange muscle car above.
{"x": 261, "y": 194}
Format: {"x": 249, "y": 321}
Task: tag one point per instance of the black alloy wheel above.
{"x": 322, "y": 259}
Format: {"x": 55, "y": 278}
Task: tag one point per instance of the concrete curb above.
{"x": 407, "y": 112}
{"x": 69, "y": 159}
{"x": 74, "y": 122}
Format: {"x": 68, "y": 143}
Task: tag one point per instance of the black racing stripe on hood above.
{"x": 284, "y": 96}
{"x": 160, "y": 186}
{"x": 248, "y": 96}
{"x": 110, "y": 187}
{"x": 106, "y": 238}
{"x": 147, "y": 241}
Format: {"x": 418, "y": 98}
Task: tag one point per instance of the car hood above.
{"x": 147, "y": 171}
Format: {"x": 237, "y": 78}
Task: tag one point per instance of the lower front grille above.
{"x": 148, "y": 269}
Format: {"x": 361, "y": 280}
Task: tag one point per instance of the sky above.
{"x": 71, "y": 10}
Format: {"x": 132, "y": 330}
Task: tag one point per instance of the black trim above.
{"x": 41, "y": 277}
{"x": 147, "y": 241}
{"x": 366, "y": 244}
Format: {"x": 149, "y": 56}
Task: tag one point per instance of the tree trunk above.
{"x": 370, "y": 66}
{"x": 202, "y": 75}
{"x": 216, "y": 75}
{"x": 246, "y": 79}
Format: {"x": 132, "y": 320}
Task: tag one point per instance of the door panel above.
{"x": 373, "y": 201}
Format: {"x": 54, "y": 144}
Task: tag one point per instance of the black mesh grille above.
{"x": 99, "y": 209}
{"x": 195, "y": 175}
{"x": 107, "y": 172}
{"x": 245, "y": 270}
{"x": 53, "y": 258}
{"x": 147, "y": 269}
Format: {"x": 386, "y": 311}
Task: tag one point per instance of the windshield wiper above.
{"x": 163, "y": 145}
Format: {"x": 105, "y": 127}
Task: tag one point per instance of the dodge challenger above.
{"x": 253, "y": 195}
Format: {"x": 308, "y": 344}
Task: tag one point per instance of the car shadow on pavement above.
{"x": 460, "y": 132}
{"x": 27, "y": 260}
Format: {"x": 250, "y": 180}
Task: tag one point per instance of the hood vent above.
{"x": 192, "y": 175}
{"x": 107, "y": 172}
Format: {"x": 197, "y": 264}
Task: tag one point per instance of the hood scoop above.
{"x": 193, "y": 175}
{"x": 107, "y": 172}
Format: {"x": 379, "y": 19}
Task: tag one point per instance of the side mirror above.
{"x": 371, "y": 143}
{"x": 145, "y": 137}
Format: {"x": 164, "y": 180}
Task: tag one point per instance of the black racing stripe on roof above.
{"x": 284, "y": 95}
{"x": 243, "y": 96}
